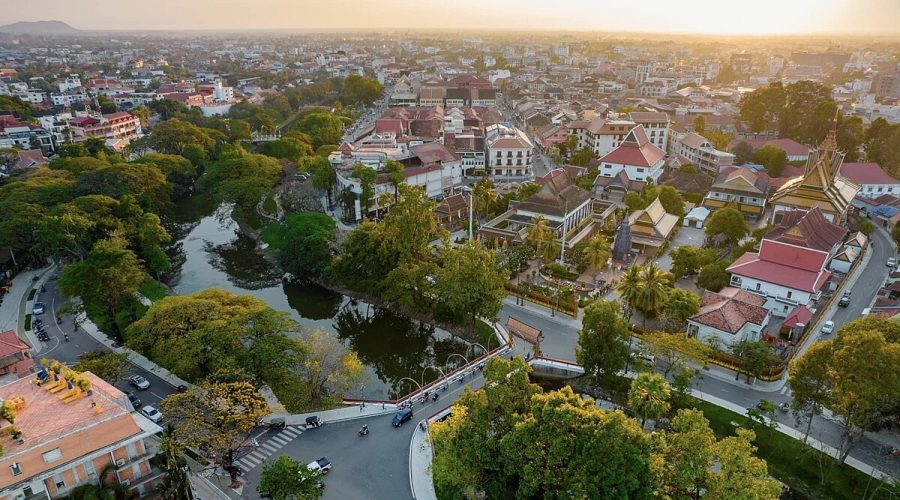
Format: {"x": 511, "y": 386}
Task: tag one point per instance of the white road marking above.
{"x": 257, "y": 455}
{"x": 293, "y": 433}
{"x": 157, "y": 395}
{"x": 783, "y": 390}
{"x": 280, "y": 439}
{"x": 272, "y": 448}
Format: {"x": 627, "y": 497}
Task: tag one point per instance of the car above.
{"x": 892, "y": 262}
{"x": 845, "y": 301}
{"x": 645, "y": 357}
{"x": 139, "y": 382}
{"x": 135, "y": 401}
{"x": 38, "y": 308}
{"x": 828, "y": 327}
{"x": 321, "y": 465}
{"x": 151, "y": 413}
{"x": 402, "y": 416}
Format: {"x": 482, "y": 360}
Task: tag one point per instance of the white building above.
{"x": 697, "y": 150}
{"x": 657, "y": 125}
{"x": 872, "y": 180}
{"x": 637, "y": 157}
{"x": 600, "y": 135}
{"x": 728, "y": 317}
{"x": 508, "y": 152}
{"x": 786, "y": 275}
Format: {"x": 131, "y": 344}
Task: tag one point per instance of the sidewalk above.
{"x": 420, "y": 479}
{"x": 348, "y": 412}
{"x": 12, "y": 310}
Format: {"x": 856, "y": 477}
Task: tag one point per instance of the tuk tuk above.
{"x": 277, "y": 423}
{"x": 313, "y": 422}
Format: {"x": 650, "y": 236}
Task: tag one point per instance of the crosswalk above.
{"x": 268, "y": 448}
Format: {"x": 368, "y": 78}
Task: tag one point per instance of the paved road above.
{"x": 373, "y": 466}
{"x": 80, "y": 342}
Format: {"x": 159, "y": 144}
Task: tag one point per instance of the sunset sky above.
{"x": 684, "y": 16}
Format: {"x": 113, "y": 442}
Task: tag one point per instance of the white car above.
{"x": 322, "y": 465}
{"x": 892, "y": 262}
{"x": 140, "y": 382}
{"x": 38, "y": 308}
{"x": 828, "y": 327}
{"x": 151, "y": 413}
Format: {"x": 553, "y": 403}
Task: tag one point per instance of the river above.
{"x": 214, "y": 253}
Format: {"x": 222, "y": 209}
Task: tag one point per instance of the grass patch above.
{"x": 27, "y": 322}
{"x": 31, "y": 294}
{"x": 803, "y": 468}
{"x": 484, "y": 334}
{"x": 269, "y": 205}
{"x": 153, "y": 289}
{"x": 273, "y": 235}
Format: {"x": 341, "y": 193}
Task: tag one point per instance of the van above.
{"x": 402, "y": 416}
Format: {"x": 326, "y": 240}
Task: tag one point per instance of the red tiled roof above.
{"x": 791, "y": 147}
{"x": 807, "y": 229}
{"x": 784, "y": 264}
{"x": 729, "y": 310}
{"x": 635, "y": 150}
{"x": 866, "y": 173}
{"x": 433, "y": 152}
{"x": 799, "y": 316}
{"x": 10, "y": 344}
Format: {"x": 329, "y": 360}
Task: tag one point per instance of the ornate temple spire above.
{"x": 829, "y": 145}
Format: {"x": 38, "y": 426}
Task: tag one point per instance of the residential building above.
{"x": 657, "y": 86}
{"x": 657, "y": 125}
{"x": 508, "y": 152}
{"x": 821, "y": 185}
{"x": 730, "y": 316}
{"x": 639, "y": 159}
{"x": 794, "y": 150}
{"x": 31, "y": 158}
{"x": 116, "y": 126}
{"x": 872, "y": 180}
{"x": 808, "y": 229}
{"x": 786, "y": 275}
{"x": 70, "y": 433}
{"x": 739, "y": 188}
{"x": 651, "y": 228}
{"x": 695, "y": 149}
{"x": 15, "y": 356}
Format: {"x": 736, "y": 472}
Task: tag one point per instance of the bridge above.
{"x": 555, "y": 368}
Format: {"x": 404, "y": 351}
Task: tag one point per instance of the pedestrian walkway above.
{"x": 421, "y": 481}
{"x": 348, "y": 412}
{"x": 267, "y": 448}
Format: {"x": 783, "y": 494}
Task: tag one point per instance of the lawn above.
{"x": 27, "y": 322}
{"x": 803, "y": 468}
{"x": 31, "y": 294}
{"x": 153, "y": 289}
{"x": 272, "y": 235}
{"x": 484, "y": 335}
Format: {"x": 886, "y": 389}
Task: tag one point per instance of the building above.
{"x": 730, "y": 316}
{"x": 508, "y": 152}
{"x": 600, "y": 135}
{"x": 15, "y": 356}
{"x": 116, "y": 126}
{"x": 639, "y": 159}
{"x": 697, "y": 150}
{"x": 453, "y": 211}
{"x": 786, "y": 275}
{"x": 808, "y": 230}
{"x": 793, "y": 149}
{"x": 657, "y": 125}
{"x": 872, "y": 180}
{"x": 820, "y": 186}
{"x": 739, "y": 188}
{"x": 70, "y": 431}
{"x": 651, "y": 228}
{"x": 567, "y": 208}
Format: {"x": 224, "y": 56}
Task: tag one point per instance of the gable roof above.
{"x": 730, "y": 309}
{"x": 742, "y": 179}
{"x": 784, "y": 264}
{"x": 867, "y": 173}
{"x": 636, "y": 150}
{"x": 11, "y": 344}
{"x": 558, "y": 195}
{"x": 790, "y": 146}
{"x": 807, "y": 229}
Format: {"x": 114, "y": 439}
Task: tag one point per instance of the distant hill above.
{"x": 38, "y": 28}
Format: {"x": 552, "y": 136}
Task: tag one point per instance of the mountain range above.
{"x": 38, "y": 28}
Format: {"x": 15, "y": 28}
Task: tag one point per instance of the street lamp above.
{"x": 467, "y": 189}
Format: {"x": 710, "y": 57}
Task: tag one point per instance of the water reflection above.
{"x": 212, "y": 252}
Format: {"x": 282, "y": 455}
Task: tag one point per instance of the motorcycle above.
{"x": 364, "y": 431}
{"x": 434, "y": 397}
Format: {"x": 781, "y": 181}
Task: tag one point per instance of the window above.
{"x": 59, "y": 481}
{"x": 758, "y": 287}
{"x": 607, "y": 166}
{"x": 52, "y": 456}
{"x": 15, "y": 468}
{"x": 789, "y": 294}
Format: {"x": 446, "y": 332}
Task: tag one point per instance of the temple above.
{"x": 820, "y": 186}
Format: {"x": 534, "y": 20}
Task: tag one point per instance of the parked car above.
{"x": 151, "y": 413}
{"x": 828, "y": 327}
{"x": 845, "y": 300}
{"x": 135, "y": 401}
{"x": 38, "y": 308}
{"x": 892, "y": 262}
{"x": 402, "y": 416}
{"x": 321, "y": 465}
{"x": 139, "y": 382}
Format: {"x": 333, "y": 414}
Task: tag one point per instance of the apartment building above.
{"x": 657, "y": 125}
{"x": 695, "y": 149}
{"x": 66, "y": 432}
{"x": 508, "y": 152}
{"x": 118, "y": 126}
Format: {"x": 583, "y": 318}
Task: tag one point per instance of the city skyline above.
{"x": 766, "y": 17}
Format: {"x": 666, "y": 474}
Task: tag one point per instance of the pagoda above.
{"x": 820, "y": 186}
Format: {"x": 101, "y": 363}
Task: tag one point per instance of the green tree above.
{"x": 671, "y": 200}
{"x": 682, "y": 459}
{"x": 469, "y": 284}
{"x": 365, "y": 259}
{"x": 306, "y": 242}
{"x": 774, "y": 159}
{"x": 145, "y": 183}
{"x": 328, "y": 369}
{"x": 215, "y": 419}
{"x": 394, "y": 171}
{"x": 850, "y": 137}
{"x": 324, "y": 128}
{"x": 761, "y": 109}
{"x": 241, "y": 178}
{"x": 648, "y": 396}
{"x": 173, "y": 136}
{"x": 633, "y": 201}
{"x": 597, "y": 252}
{"x": 810, "y": 382}
{"x": 755, "y": 355}
{"x": 719, "y": 140}
{"x": 729, "y": 223}
{"x": 286, "y": 148}
{"x": 286, "y": 479}
{"x": 178, "y": 170}
{"x": 882, "y": 141}
{"x": 629, "y": 289}
{"x": 743, "y": 152}
{"x": 583, "y": 157}
{"x": 700, "y": 125}
{"x": 106, "y": 104}
{"x": 542, "y": 238}
{"x": 741, "y": 474}
{"x": 680, "y": 305}
{"x": 807, "y": 113}
{"x": 367, "y": 177}
{"x": 412, "y": 225}
{"x": 655, "y": 285}
{"x": 688, "y": 260}
{"x": 674, "y": 351}
{"x": 483, "y": 196}
{"x": 105, "y": 364}
{"x": 360, "y": 90}
{"x": 603, "y": 341}
{"x": 713, "y": 276}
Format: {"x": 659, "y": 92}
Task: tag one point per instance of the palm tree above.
{"x": 648, "y": 396}
{"x": 629, "y": 288}
{"x": 655, "y": 284}
{"x": 394, "y": 170}
{"x": 597, "y": 252}
{"x": 484, "y": 196}
{"x": 541, "y": 237}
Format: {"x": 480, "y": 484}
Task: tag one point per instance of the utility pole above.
{"x": 562, "y": 248}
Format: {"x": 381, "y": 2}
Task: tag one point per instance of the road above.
{"x": 561, "y": 337}
{"x": 372, "y": 466}
{"x": 80, "y": 342}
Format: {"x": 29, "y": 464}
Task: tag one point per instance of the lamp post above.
{"x": 467, "y": 189}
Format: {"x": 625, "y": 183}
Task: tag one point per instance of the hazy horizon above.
{"x": 708, "y": 17}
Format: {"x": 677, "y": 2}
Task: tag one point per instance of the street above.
{"x": 80, "y": 342}
{"x": 372, "y": 466}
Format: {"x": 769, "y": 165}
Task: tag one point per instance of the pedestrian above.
{"x": 382, "y": 405}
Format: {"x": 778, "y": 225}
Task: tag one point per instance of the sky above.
{"x": 742, "y": 17}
